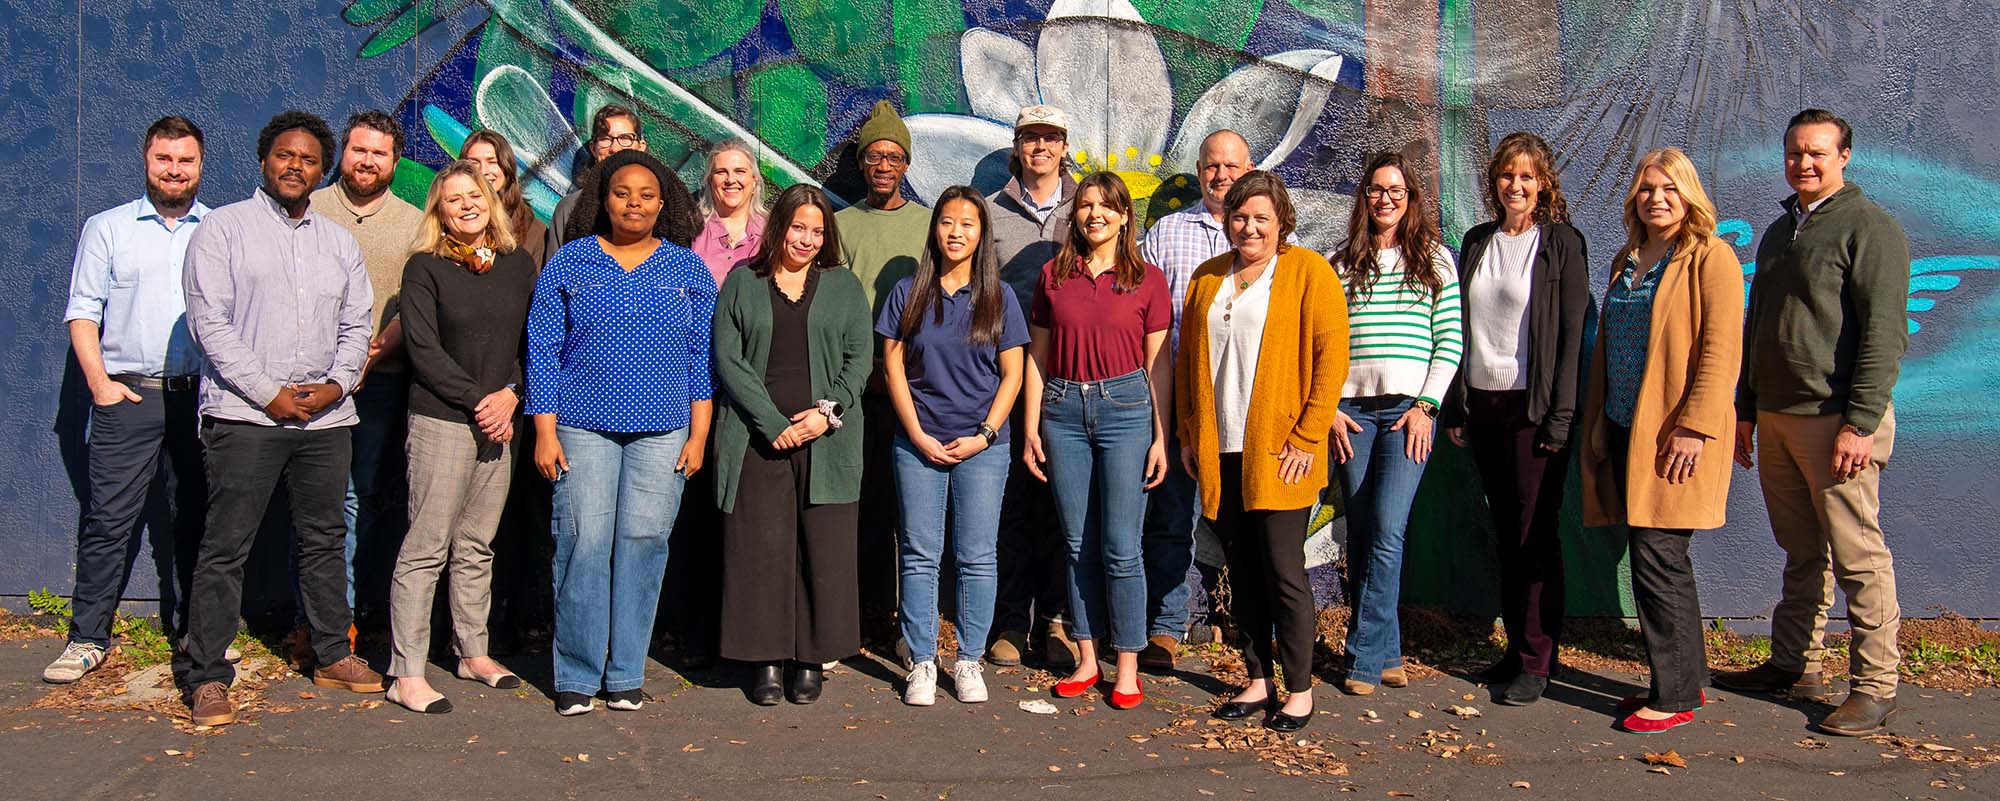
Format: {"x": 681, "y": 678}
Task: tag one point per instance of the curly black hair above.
{"x": 296, "y": 121}
{"x": 678, "y": 222}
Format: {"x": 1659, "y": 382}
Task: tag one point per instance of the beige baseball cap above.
{"x": 1042, "y": 115}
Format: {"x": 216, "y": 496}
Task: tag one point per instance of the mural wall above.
{"x": 1313, "y": 84}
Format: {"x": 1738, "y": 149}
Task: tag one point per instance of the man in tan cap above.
{"x": 1030, "y": 219}
{"x": 881, "y": 239}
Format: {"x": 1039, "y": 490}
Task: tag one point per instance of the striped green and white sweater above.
{"x": 1403, "y": 342}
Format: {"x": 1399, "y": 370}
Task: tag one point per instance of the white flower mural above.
{"x": 1098, "y": 60}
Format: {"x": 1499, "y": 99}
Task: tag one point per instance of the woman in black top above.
{"x": 1525, "y": 282}
{"x": 465, "y": 295}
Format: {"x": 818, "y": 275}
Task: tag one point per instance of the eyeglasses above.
{"x": 620, "y": 140}
{"x": 1394, "y": 192}
{"x": 1041, "y": 137}
{"x": 892, "y": 159}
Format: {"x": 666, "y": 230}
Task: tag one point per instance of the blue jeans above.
{"x": 971, "y": 491}
{"x": 1096, "y": 435}
{"x": 612, "y": 513}
{"x": 1379, "y": 484}
{"x": 1171, "y": 509}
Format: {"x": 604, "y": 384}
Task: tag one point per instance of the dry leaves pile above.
{"x": 1288, "y": 756}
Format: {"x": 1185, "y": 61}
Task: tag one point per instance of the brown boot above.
{"x": 1860, "y": 714}
{"x": 1007, "y": 648}
{"x": 210, "y": 706}
{"x": 350, "y": 674}
{"x": 1058, "y": 650}
{"x": 1159, "y": 653}
{"x": 1769, "y": 678}
{"x": 1395, "y": 677}
{"x": 299, "y": 654}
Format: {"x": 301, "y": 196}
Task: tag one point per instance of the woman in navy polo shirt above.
{"x": 952, "y": 339}
{"x": 1097, "y": 386}
{"x": 618, "y": 383}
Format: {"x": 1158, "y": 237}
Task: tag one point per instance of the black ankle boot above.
{"x": 767, "y": 683}
{"x": 806, "y": 682}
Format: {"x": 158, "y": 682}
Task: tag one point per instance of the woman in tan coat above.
{"x": 1262, "y": 356}
{"x": 1658, "y": 418}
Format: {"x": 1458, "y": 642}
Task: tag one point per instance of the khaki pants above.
{"x": 1830, "y": 531}
{"x": 458, "y": 485}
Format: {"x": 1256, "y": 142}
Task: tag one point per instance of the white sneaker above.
{"x": 77, "y": 659}
{"x": 922, "y": 687}
{"x": 968, "y": 682}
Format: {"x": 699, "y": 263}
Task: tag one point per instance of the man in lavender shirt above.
{"x": 279, "y": 302}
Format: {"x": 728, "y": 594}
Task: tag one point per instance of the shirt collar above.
{"x": 278, "y": 211}
{"x": 147, "y": 211}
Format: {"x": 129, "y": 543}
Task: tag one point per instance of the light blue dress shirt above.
{"x": 127, "y": 280}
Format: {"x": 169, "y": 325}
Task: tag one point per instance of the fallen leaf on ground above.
{"x": 1661, "y": 771}
{"x": 172, "y": 752}
{"x": 1671, "y": 757}
{"x": 1521, "y": 785}
{"x": 1940, "y": 747}
{"x": 1464, "y": 711}
{"x": 1736, "y": 759}
{"x": 1055, "y": 768}
{"x": 306, "y": 695}
{"x": 691, "y": 748}
{"x": 1038, "y": 707}
{"x": 583, "y": 757}
{"x": 1413, "y": 714}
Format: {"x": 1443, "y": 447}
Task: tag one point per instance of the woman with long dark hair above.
{"x": 1525, "y": 278}
{"x": 619, "y": 386}
{"x": 1098, "y": 384}
{"x": 952, "y": 337}
{"x": 793, "y": 353}
{"x": 1404, "y": 343}
{"x": 495, "y": 157}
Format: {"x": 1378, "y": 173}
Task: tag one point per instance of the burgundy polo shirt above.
{"x": 1097, "y": 330}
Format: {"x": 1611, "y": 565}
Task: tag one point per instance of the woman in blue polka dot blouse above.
{"x": 618, "y": 384}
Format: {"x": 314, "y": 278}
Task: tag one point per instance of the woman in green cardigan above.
{"x": 792, "y": 350}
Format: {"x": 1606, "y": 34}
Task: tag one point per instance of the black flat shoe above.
{"x": 1281, "y": 722}
{"x": 1499, "y": 672}
{"x": 807, "y": 681}
{"x": 767, "y": 684}
{"x": 1238, "y": 710}
{"x": 1526, "y": 689}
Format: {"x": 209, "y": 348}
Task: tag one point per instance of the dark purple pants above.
{"x": 1524, "y": 488}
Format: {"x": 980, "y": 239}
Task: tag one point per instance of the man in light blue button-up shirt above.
{"x": 131, "y": 341}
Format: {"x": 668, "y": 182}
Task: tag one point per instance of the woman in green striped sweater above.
{"x": 1405, "y": 338}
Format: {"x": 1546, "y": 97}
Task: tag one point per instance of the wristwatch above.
{"x": 832, "y": 410}
{"x": 1428, "y": 408}
{"x": 989, "y": 432}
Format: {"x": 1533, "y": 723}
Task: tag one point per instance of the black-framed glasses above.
{"x": 893, "y": 159}
{"x": 1394, "y": 192}
{"x": 620, "y": 140}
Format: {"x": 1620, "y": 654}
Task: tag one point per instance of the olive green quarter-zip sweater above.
{"x": 1826, "y": 327}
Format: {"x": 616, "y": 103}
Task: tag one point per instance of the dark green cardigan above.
{"x": 840, "y": 349}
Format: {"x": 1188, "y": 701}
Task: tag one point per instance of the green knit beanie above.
{"x": 883, "y": 123}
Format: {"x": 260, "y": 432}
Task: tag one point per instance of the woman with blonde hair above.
{"x": 465, "y": 294}
{"x": 1659, "y": 417}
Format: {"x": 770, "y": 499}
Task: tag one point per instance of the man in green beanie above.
{"x": 881, "y": 239}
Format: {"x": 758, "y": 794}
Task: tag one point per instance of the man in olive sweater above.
{"x": 1824, "y": 333}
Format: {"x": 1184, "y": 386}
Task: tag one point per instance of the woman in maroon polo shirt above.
{"x": 1099, "y": 374}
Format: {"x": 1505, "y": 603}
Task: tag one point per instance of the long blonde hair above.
{"x": 1701, "y": 218}
{"x": 431, "y": 236}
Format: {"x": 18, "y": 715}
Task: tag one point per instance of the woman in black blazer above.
{"x": 1525, "y": 283}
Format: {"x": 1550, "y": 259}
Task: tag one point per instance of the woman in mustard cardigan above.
{"x": 1263, "y": 354}
{"x": 1659, "y": 418}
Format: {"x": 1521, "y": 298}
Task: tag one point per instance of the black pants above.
{"x": 1524, "y": 490}
{"x": 1033, "y": 580}
{"x": 692, "y": 597}
{"x": 1267, "y": 581}
{"x": 880, "y": 514}
{"x": 245, "y": 463}
{"x": 524, "y": 546}
{"x": 1669, "y": 605}
{"x": 789, "y": 589}
{"x": 379, "y": 480}
{"x": 128, "y": 444}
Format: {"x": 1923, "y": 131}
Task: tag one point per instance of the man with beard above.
{"x": 133, "y": 349}
{"x": 880, "y": 239}
{"x": 278, "y": 300}
{"x": 384, "y": 225}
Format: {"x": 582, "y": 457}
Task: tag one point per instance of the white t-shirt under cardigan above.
{"x": 1235, "y": 336}
{"x": 1400, "y": 341}
{"x": 1496, "y": 311}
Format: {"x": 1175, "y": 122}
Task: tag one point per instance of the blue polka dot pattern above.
{"x": 1628, "y": 334}
{"x": 617, "y": 351}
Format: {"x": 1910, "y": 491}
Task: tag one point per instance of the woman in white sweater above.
{"x": 1405, "y": 340}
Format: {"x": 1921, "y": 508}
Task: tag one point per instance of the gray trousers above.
{"x": 458, "y": 486}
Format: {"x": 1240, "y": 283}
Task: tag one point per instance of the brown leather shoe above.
{"x": 1769, "y": 678}
{"x": 1860, "y": 714}
{"x": 1395, "y": 677}
{"x": 350, "y": 673}
{"x": 1058, "y": 650}
{"x": 1159, "y": 654}
{"x": 1007, "y": 648}
{"x": 299, "y": 654}
{"x": 210, "y": 706}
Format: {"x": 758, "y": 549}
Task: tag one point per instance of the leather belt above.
{"x": 172, "y": 383}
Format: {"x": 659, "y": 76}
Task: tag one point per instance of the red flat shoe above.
{"x": 1638, "y": 725}
{"x": 1128, "y": 700}
{"x": 1072, "y": 689}
{"x": 1633, "y": 703}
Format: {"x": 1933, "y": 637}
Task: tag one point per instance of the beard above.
{"x": 161, "y": 196}
{"x": 365, "y": 184}
{"x": 277, "y": 190}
